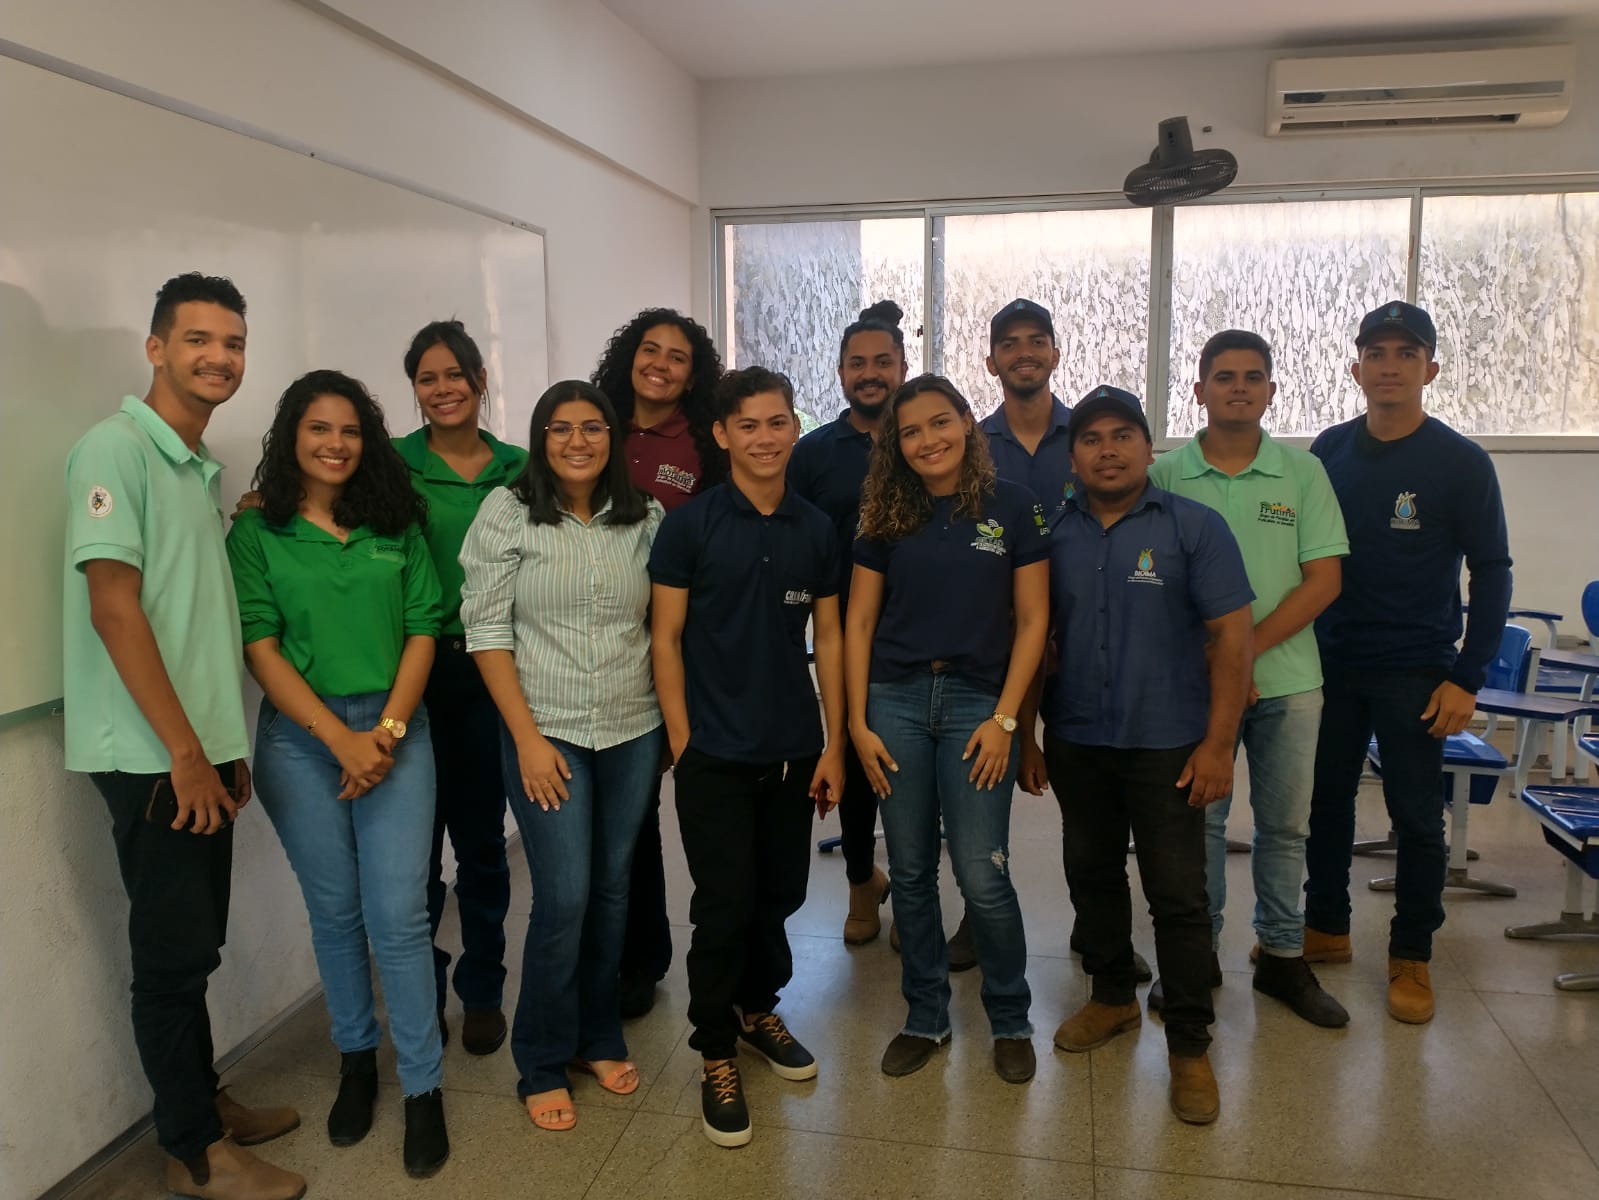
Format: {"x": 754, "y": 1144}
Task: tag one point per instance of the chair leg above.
{"x": 1573, "y": 920}
{"x": 1383, "y": 845}
{"x": 1574, "y": 982}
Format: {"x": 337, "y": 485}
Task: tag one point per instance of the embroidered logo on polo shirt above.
{"x": 100, "y": 501}
{"x": 676, "y": 477}
{"x": 1273, "y": 512}
{"x": 1405, "y": 512}
{"x": 1145, "y": 571}
{"x": 798, "y": 596}
{"x": 990, "y": 537}
{"x": 387, "y": 550}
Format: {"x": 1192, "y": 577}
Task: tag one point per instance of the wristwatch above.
{"x": 397, "y": 727}
{"x": 1008, "y": 724}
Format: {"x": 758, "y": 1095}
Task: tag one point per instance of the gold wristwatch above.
{"x": 396, "y": 727}
{"x": 1008, "y": 724}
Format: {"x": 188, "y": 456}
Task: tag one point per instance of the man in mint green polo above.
{"x": 1280, "y": 506}
{"x": 155, "y": 716}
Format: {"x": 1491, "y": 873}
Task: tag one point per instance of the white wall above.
{"x": 1078, "y": 126}
{"x": 617, "y": 216}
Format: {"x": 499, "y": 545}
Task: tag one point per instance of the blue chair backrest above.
{"x": 1590, "y": 609}
{"x": 1508, "y": 671}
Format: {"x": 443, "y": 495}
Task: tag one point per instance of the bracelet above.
{"x": 310, "y": 726}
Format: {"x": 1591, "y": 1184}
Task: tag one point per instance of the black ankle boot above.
{"x": 351, "y": 1115}
{"x": 427, "y": 1144}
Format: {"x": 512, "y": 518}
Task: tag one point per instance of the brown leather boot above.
{"x": 863, "y": 924}
{"x": 252, "y": 1126}
{"x": 1327, "y": 947}
{"x": 1409, "y": 991}
{"x": 229, "y": 1172}
{"x": 1194, "y": 1097}
{"x": 1095, "y": 1024}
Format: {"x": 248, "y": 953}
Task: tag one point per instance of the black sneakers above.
{"x": 723, "y": 1113}
{"x": 1293, "y": 982}
{"x": 766, "y": 1034}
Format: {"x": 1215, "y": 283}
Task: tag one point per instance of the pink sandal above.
{"x": 609, "y": 1081}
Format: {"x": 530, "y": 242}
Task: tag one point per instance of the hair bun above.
{"x": 884, "y": 310}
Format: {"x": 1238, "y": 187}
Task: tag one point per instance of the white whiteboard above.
{"x": 103, "y": 197}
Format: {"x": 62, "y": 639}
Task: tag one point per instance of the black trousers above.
{"x": 746, "y": 834}
{"x": 178, "y": 889}
{"x": 647, "y": 941}
{"x": 857, "y": 820}
{"x": 1104, "y": 794}
{"x": 465, "y": 728}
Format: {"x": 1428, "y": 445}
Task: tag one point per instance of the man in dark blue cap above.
{"x": 1418, "y": 499}
{"x": 1139, "y": 727}
{"x": 1027, "y": 432}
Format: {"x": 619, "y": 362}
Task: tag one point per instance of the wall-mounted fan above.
{"x": 1176, "y": 172}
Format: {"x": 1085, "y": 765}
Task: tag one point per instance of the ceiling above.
{"x": 726, "y": 39}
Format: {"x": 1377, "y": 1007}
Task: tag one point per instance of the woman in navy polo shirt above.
{"x": 935, "y": 674}
{"x": 660, "y": 372}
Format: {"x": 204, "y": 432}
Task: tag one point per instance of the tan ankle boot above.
{"x": 232, "y": 1173}
{"x": 252, "y": 1126}
{"x": 863, "y": 924}
{"x": 1194, "y": 1097}
{"x": 1409, "y": 991}
{"x": 1095, "y": 1024}
{"x": 1327, "y": 947}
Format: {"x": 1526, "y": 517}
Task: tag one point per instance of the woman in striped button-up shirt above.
{"x": 554, "y": 606}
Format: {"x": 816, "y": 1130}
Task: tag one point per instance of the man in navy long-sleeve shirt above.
{"x": 1418, "y": 498}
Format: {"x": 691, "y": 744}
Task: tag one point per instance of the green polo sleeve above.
{"x": 107, "y": 487}
{"x": 1321, "y": 519}
{"x": 259, "y": 614}
{"x": 424, "y": 596}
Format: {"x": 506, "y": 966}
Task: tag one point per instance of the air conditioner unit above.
{"x": 1510, "y": 88}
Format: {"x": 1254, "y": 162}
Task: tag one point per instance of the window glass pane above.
{"x": 1512, "y": 282}
{"x": 792, "y": 287}
{"x": 1300, "y": 274}
{"x": 1089, "y": 267}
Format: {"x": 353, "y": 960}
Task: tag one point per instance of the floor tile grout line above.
{"x": 1385, "y": 1193}
{"x": 1536, "y": 1078}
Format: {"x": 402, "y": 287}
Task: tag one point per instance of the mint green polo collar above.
{"x": 1191, "y": 462}
{"x": 165, "y": 437}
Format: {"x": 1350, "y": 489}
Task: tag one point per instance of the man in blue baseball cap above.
{"x": 1418, "y": 499}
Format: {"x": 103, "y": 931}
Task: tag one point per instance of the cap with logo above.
{"x": 1105, "y": 401}
{"x": 1020, "y": 310}
{"x": 1398, "y": 317}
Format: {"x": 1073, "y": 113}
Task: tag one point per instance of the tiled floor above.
{"x": 1498, "y": 1097}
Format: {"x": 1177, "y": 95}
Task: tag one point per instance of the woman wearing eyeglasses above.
{"x": 554, "y": 602}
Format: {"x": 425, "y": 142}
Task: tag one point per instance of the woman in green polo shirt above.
{"x": 454, "y": 463}
{"x": 340, "y": 603}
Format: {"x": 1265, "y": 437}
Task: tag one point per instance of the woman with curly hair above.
{"x": 340, "y": 604}
{"x": 947, "y": 618}
{"x": 660, "y": 371}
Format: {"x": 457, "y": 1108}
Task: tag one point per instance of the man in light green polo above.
{"x": 1280, "y": 506}
{"x": 155, "y": 716}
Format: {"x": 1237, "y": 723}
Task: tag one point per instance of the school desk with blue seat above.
{"x": 1569, "y": 817}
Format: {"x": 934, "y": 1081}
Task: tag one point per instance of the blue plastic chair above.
{"x": 1477, "y": 765}
{"x": 1590, "y": 609}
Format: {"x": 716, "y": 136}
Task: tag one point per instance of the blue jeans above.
{"x": 363, "y": 870}
{"x": 926, "y": 722}
{"x": 1389, "y": 704}
{"x": 1279, "y": 737}
{"x": 580, "y": 856}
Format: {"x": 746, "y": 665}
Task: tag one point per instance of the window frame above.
{"x": 1157, "y": 384}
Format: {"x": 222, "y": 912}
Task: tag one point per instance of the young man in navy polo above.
{"x": 1418, "y": 499}
{"x": 1139, "y": 730}
{"x": 1027, "y": 432}
{"x": 828, "y": 469}
{"x": 738, "y": 573}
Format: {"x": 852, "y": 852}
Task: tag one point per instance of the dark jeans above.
{"x": 471, "y": 807}
{"x": 746, "y": 835}
{"x": 1355, "y": 705}
{"x": 1104, "y": 793}
{"x": 857, "y": 820}
{"x": 177, "y": 884}
{"x": 647, "y": 944}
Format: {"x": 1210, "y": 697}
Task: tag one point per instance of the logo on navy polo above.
{"x": 1274, "y": 512}
{"x": 1405, "y": 512}
{"x": 798, "y": 596}
{"x": 676, "y": 477}
{"x": 990, "y": 538}
{"x": 1040, "y": 520}
{"x": 1145, "y": 571}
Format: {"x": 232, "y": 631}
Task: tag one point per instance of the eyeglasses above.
{"x": 562, "y": 430}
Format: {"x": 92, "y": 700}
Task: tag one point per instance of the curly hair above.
{"x": 378, "y": 494}
{"x": 895, "y": 503}
{"x": 181, "y": 289}
{"x": 537, "y": 487}
{"x": 614, "y": 376}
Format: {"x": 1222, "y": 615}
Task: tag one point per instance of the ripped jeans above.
{"x": 925, "y": 722}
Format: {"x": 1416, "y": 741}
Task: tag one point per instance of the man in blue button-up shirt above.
{"x": 1027, "y": 432}
{"x": 1150, "y": 602}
